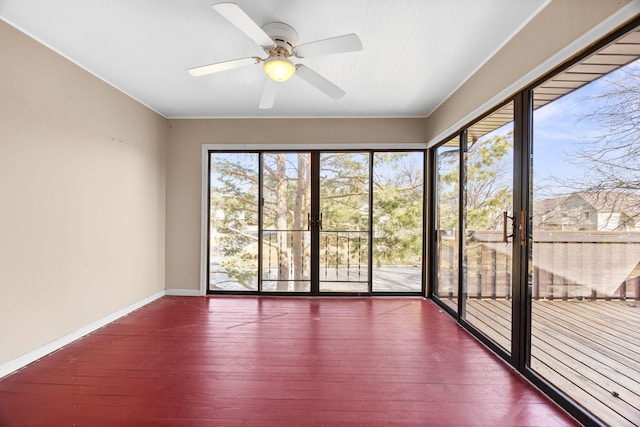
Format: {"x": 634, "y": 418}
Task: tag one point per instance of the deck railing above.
{"x": 344, "y": 255}
{"x": 566, "y": 265}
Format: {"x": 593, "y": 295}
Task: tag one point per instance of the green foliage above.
{"x": 233, "y": 215}
{"x": 344, "y": 191}
{"x": 487, "y": 187}
{"x": 398, "y": 208}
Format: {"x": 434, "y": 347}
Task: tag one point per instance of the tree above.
{"x": 448, "y": 186}
{"x": 301, "y": 215}
{"x": 487, "y": 185}
{"x": 488, "y": 182}
{"x": 610, "y": 158}
{"x": 344, "y": 206}
{"x": 286, "y": 205}
{"x": 233, "y": 219}
{"x": 398, "y": 206}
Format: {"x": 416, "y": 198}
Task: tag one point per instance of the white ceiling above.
{"x": 415, "y": 52}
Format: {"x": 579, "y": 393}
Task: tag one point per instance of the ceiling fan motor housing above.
{"x": 283, "y": 35}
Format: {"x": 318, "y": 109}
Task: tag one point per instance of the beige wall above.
{"x": 534, "y": 51}
{"x": 184, "y": 173}
{"x": 82, "y": 197}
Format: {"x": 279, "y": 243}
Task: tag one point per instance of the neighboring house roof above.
{"x": 613, "y": 201}
{"x": 625, "y": 203}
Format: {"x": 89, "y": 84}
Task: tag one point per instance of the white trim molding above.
{"x": 183, "y": 293}
{"x": 32, "y": 356}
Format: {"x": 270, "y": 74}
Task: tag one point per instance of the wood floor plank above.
{"x": 275, "y": 361}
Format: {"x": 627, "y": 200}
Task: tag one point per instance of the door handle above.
{"x": 523, "y": 228}
{"x": 320, "y": 221}
{"x": 505, "y": 236}
{"x": 308, "y": 221}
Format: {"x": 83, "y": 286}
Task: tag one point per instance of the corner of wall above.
{"x": 34, "y": 355}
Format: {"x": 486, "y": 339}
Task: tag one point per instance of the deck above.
{"x": 588, "y": 349}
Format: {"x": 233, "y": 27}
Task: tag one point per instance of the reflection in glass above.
{"x": 488, "y": 194}
{"x": 398, "y": 201}
{"x": 447, "y": 222}
{"x": 233, "y": 222}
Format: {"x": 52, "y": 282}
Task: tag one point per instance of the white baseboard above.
{"x": 183, "y": 292}
{"x": 57, "y": 344}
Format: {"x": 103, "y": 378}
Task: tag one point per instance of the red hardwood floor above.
{"x": 185, "y": 361}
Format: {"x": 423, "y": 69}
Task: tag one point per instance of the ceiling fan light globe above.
{"x": 279, "y": 69}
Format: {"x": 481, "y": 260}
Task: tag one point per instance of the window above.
{"x": 316, "y": 222}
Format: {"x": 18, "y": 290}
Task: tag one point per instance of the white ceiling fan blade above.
{"x": 232, "y": 13}
{"x": 319, "y": 82}
{"x": 340, "y": 44}
{"x": 223, "y": 66}
{"x": 268, "y": 94}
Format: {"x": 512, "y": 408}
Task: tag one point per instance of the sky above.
{"x": 561, "y": 127}
{"x": 558, "y": 131}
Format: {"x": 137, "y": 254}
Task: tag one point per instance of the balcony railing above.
{"x": 343, "y": 255}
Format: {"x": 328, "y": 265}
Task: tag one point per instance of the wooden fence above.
{"x": 566, "y": 265}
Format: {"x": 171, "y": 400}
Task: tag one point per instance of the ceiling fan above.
{"x": 279, "y": 42}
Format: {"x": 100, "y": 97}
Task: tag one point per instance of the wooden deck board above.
{"x": 596, "y": 379}
{"x": 492, "y": 319}
{"x": 604, "y": 345}
{"x": 588, "y": 349}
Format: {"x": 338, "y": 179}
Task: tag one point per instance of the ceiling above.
{"x": 415, "y": 52}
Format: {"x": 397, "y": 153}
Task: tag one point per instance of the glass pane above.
{"x": 585, "y": 258}
{"x": 344, "y": 234}
{"x": 233, "y": 222}
{"x": 447, "y": 221}
{"x": 488, "y": 194}
{"x": 398, "y": 200}
{"x": 286, "y": 238}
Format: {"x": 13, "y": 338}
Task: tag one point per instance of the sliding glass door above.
{"x": 314, "y": 222}
{"x": 285, "y": 231}
{"x": 447, "y": 223}
{"x": 488, "y": 226}
{"x": 585, "y": 240}
{"x": 343, "y": 222}
{"x": 397, "y": 221}
{"x": 233, "y": 222}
